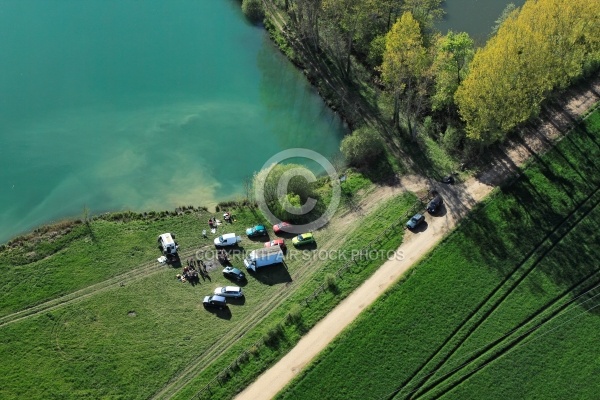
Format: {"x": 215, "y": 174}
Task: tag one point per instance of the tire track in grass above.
{"x": 204, "y": 360}
{"x": 201, "y": 362}
{"x": 565, "y": 294}
{"x": 553, "y": 243}
{"x": 471, "y": 323}
{"x": 336, "y": 235}
{"x": 562, "y": 296}
{"x": 503, "y": 345}
{"x": 144, "y": 270}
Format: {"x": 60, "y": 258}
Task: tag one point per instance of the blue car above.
{"x": 258, "y": 230}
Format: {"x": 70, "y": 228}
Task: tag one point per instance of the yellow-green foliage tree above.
{"x": 452, "y": 56}
{"x": 537, "y": 49}
{"x": 427, "y": 12}
{"x": 404, "y": 66}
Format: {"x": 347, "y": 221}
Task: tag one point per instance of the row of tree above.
{"x": 355, "y": 28}
{"x": 538, "y": 49}
{"x": 481, "y": 94}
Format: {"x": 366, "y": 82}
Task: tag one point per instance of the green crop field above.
{"x": 87, "y": 311}
{"x": 506, "y": 307}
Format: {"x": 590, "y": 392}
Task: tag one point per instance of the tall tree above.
{"x": 346, "y": 15}
{"x": 357, "y": 22}
{"x": 426, "y": 12}
{"x": 453, "y": 53}
{"x": 404, "y": 69}
{"x": 537, "y": 50}
{"x": 305, "y": 15}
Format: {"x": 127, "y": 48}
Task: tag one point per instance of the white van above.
{"x": 228, "y": 239}
{"x": 263, "y": 257}
{"x": 167, "y": 244}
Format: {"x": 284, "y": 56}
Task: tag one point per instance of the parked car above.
{"x": 168, "y": 245}
{"x": 448, "y": 179}
{"x": 303, "y": 239}
{"x": 229, "y": 291}
{"x": 234, "y": 273}
{"x": 258, "y": 230}
{"x": 435, "y": 204}
{"x": 280, "y": 227}
{"x": 276, "y": 242}
{"x": 215, "y": 301}
{"x": 415, "y": 221}
{"x": 228, "y": 239}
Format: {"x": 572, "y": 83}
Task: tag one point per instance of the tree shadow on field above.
{"x": 590, "y": 166}
{"x": 548, "y": 170}
{"x": 576, "y": 272}
{"x": 515, "y": 204}
{"x": 535, "y": 222}
{"x": 499, "y": 167}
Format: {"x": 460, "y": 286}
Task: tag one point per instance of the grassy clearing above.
{"x": 90, "y": 254}
{"x": 495, "y": 309}
{"x": 293, "y": 320}
{"x": 133, "y": 330}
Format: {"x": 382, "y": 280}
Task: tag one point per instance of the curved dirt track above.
{"x": 414, "y": 247}
{"x": 459, "y": 200}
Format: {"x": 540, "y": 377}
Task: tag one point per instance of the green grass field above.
{"x": 505, "y": 307}
{"x": 365, "y": 229}
{"x": 87, "y": 311}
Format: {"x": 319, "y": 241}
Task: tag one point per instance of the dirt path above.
{"x": 330, "y": 237}
{"x": 459, "y": 199}
{"x": 414, "y": 247}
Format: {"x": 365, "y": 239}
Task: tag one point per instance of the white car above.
{"x": 228, "y": 239}
{"x": 229, "y": 291}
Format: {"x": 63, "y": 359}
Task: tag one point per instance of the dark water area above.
{"x": 476, "y": 17}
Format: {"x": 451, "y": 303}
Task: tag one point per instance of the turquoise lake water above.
{"x": 123, "y": 104}
{"x": 141, "y": 105}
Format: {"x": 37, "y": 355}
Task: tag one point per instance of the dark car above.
{"x": 234, "y": 273}
{"x": 448, "y": 179}
{"x": 215, "y": 301}
{"x": 435, "y": 204}
{"x": 415, "y": 221}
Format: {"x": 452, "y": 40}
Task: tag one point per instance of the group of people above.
{"x": 223, "y": 256}
{"x": 193, "y": 270}
{"x": 213, "y": 222}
